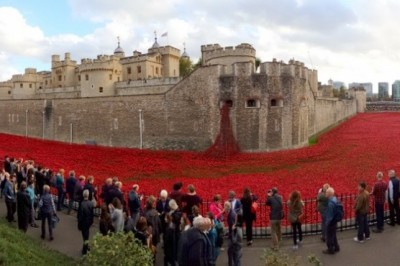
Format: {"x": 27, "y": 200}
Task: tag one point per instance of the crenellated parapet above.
{"x": 275, "y": 68}
{"x": 166, "y": 50}
{"x": 101, "y": 63}
{"x": 215, "y": 54}
{"x": 30, "y": 75}
{"x": 56, "y": 62}
{"x": 291, "y": 69}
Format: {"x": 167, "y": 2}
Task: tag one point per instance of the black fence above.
{"x": 312, "y": 218}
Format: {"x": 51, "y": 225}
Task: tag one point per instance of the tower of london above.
{"x": 140, "y": 100}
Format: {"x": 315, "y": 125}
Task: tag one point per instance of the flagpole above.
{"x": 165, "y": 34}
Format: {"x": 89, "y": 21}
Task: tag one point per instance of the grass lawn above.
{"x": 17, "y": 248}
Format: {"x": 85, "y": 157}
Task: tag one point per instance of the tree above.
{"x": 198, "y": 64}
{"x": 117, "y": 249}
{"x": 185, "y": 66}
{"x": 340, "y": 93}
{"x": 258, "y": 62}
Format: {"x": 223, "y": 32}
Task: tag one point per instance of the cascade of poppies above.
{"x": 225, "y": 144}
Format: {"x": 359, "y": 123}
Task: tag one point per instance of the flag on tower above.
{"x": 165, "y": 34}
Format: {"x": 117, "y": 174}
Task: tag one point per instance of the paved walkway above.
{"x": 381, "y": 250}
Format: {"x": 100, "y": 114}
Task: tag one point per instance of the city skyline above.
{"x": 347, "y": 44}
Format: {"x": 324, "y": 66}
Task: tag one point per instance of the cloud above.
{"x": 7, "y": 70}
{"x": 17, "y": 36}
{"x": 105, "y": 10}
{"x": 344, "y": 40}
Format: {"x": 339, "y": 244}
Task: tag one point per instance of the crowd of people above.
{"x": 173, "y": 220}
{"x": 331, "y": 209}
{"x": 26, "y": 189}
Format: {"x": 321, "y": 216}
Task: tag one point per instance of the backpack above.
{"x": 338, "y": 213}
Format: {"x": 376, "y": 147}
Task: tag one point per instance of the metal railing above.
{"x": 312, "y": 218}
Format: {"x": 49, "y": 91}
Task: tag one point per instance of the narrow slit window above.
{"x": 251, "y": 103}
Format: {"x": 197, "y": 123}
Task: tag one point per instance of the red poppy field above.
{"x": 351, "y": 152}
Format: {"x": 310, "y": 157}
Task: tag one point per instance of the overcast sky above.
{"x": 353, "y": 40}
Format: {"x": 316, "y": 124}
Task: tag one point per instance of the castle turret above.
{"x": 155, "y": 44}
{"x": 185, "y": 54}
{"x": 119, "y": 51}
{"x": 55, "y": 58}
{"x": 215, "y": 54}
{"x": 62, "y": 72}
{"x": 98, "y": 76}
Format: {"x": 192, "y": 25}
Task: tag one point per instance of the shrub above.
{"x": 117, "y": 249}
{"x": 279, "y": 258}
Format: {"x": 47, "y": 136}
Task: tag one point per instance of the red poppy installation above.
{"x": 353, "y": 151}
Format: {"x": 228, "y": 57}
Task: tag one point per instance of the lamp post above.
{"x": 43, "y": 124}
{"x": 26, "y": 123}
{"x": 71, "y": 133}
{"x": 141, "y": 128}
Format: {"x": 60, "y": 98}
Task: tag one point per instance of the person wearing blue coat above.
{"x": 331, "y": 239}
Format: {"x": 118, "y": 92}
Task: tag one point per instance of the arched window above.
{"x": 229, "y": 103}
{"x": 276, "y": 102}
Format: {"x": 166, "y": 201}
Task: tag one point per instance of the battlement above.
{"x": 17, "y": 77}
{"x": 137, "y": 57}
{"x": 102, "y": 62}
{"x": 165, "y": 50}
{"x": 216, "y": 49}
{"x": 215, "y": 54}
{"x": 44, "y": 73}
{"x": 99, "y": 59}
{"x": 57, "y": 62}
{"x": 30, "y": 70}
{"x": 293, "y": 68}
{"x": 6, "y": 84}
{"x": 30, "y": 75}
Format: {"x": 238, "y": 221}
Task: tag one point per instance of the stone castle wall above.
{"x": 330, "y": 111}
{"x": 184, "y": 117}
{"x": 278, "y": 108}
